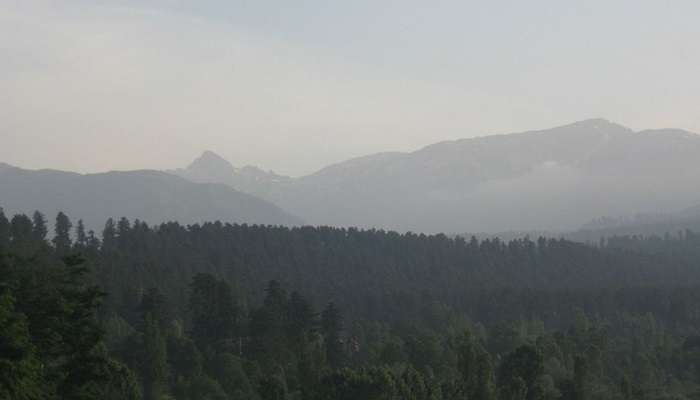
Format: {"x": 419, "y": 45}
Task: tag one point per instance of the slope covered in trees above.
{"x": 219, "y": 311}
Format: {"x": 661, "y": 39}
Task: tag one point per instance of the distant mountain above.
{"x": 150, "y": 196}
{"x": 212, "y": 168}
{"x": 548, "y": 180}
{"x": 555, "y": 179}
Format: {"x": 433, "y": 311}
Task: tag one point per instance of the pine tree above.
{"x": 20, "y": 370}
{"x": 109, "y": 236}
{"x": 93, "y": 243}
{"x": 155, "y": 304}
{"x": 62, "y": 240}
{"x": 269, "y": 326}
{"x": 123, "y": 229}
{"x": 212, "y": 310}
{"x": 477, "y": 370}
{"x": 332, "y": 326}
{"x": 302, "y": 319}
{"x": 21, "y": 230}
{"x": 81, "y": 239}
{"x": 523, "y": 366}
{"x": 580, "y": 378}
{"x": 86, "y": 364}
{"x": 276, "y": 299}
{"x": 155, "y": 359}
{"x": 4, "y": 231}
{"x": 39, "y": 229}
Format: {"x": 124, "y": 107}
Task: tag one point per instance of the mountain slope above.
{"x": 554, "y": 179}
{"x": 150, "y": 196}
{"x": 551, "y": 179}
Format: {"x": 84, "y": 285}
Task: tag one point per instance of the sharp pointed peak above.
{"x": 211, "y": 161}
{"x": 208, "y": 154}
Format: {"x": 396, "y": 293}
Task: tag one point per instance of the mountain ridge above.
{"x": 149, "y": 195}
{"x": 503, "y": 182}
{"x": 555, "y": 179}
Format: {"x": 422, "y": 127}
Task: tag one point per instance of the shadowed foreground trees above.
{"x": 219, "y": 311}
{"x": 50, "y": 337}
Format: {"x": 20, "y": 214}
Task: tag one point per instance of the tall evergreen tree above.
{"x": 276, "y": 299}
{"x": 212, "y": 309}
{"x": 580, "y": 378}
{"x": 269, "y": 325}
{"x": 62, "y": 240}
{"x": 477, "y": 370}
{"x": 21, "y": 230}
{"x": 81, "y": 238}
{"x": 39, "y": 229}
{"x": 332, "y": 326}
{"x": 123, "y": 237}
{"x": 302, "y": 319}
{"x": 93, "y": 243}
{"x": 109, "y": 236}
{"x": 154, "y": 304}
{"x": 20, "y": 369}
{"x": 4, "y": 231}
{"x": 21, "y": 236}
{"x": 154, "y": 365}
{"x": 523, "y": 366}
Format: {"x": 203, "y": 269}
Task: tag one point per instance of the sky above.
{"x": 293, "y": 86}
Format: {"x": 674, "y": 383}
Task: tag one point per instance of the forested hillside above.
{"x": 220, "y": 311}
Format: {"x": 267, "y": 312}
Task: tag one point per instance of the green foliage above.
{"x": 184, "y": 358}
{"x": 154, "y": 365}
{"x": 200, "y": 387}
{"x": 476, "y": 368}
{"x": 229, "y": 370}
{"x": 523, "y": 366}
{"x": 62, "y": 240}
{"x": 39, "y": 230}
{"x": 21, "y": 236}
{"x": 219, "y": 311}
{"x": 81, "y": 237}
{"x": 51, "y": 340}
{"x": 20, "y": 369}
{"x": 212, "y": 309}
{"x": 332, "y": 326}
{"x": 4, "y": 231}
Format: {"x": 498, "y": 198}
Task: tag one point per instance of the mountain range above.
{"x": 150, "y": 196}
{"x": 556, "y": 179}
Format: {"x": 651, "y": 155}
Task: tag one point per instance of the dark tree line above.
{"x": 219, "y": 311}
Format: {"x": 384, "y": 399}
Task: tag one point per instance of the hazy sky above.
{"x": 295, "y": 85}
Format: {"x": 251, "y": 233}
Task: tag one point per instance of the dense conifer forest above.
{"x": 220, "y": 311}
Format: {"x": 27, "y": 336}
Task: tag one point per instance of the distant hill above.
{"x": 150, "y": 196}
{"x": 639, "y": 225}
{"x": 548, "y": 180}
